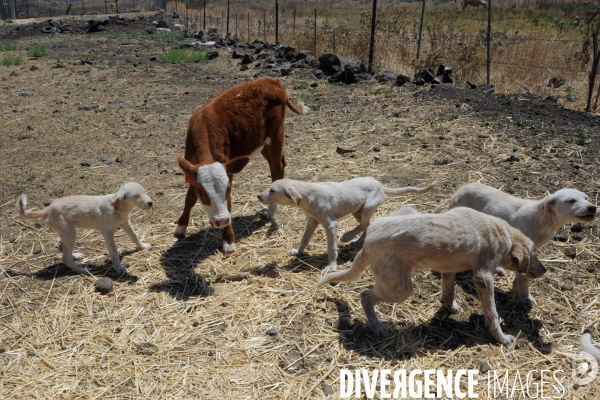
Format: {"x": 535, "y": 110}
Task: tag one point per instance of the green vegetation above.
{"x": 177, "y": 56}
{"x": 12, "y": 60}
{"x": 36, "y": 50}
{"x": 8, "y": 46}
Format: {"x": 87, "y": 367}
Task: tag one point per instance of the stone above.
{"x": 237, "y": 54}
{"x": 314, "y": 84}
{"x": 85, "y": 163}
{"x": 570, "y": 252}
{"x": 103, "y": 285}
{"x": 386, "y": 76}
{"x": 553, "y": 99}
{"x": 484, "y": 366}
{"x": 247, "y": 59}
{"x": 212, "y": 53}
{"x": 285, "y": 71}
{"x": 272, "y": 331}
{"x": 557, "y": 81}
{"x": 88, "y": 108}
{"x": 318, "y": 73}
{"x": 401, "y": 80}
{"x": 327, "y": 389}
{"x": 577, "y": 228}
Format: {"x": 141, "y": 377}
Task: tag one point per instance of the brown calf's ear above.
{"x": 235, "y": 165}
{"x": 189, "y": 170}
{"x": 119, "y": 200}
{"x": 293, "y": 194}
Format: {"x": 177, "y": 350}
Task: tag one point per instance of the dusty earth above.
{"x": 188, "y": 322}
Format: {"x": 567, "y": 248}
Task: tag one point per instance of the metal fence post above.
{"x": 315, "y": 33}
{"x": 489, "y": 40}
{"x": 372, "y": 42}
{"x": 204, "y": 25}
{"x": 265, "y": 25}
{"x": 420, "y": 30}
{"x": 227, "y": 29}
{"x": 276, "y": 22}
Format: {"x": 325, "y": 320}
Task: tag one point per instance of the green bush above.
{"x": 12, "y": 60}
{"x": 177, "y": 56}
{"x": 8, "y": 46}
{"x": 36, "y": 50}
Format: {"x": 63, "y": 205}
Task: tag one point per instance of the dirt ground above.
{"x": 176, "y": 327}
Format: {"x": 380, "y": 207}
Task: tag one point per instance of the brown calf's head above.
{"x": 213, "y": 186}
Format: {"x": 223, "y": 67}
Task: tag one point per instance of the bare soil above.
{"x": 188, "y": 322}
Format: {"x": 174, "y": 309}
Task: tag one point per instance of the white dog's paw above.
{"x": 453, "y": 309}
{"x": 80, "y": 270}
{"x": 180, "y": 231}
{"x": 77, "y": 256}
{"x": 358, "y": 241}
{"x": 120, "y": 269}
{"x": 348, "y": 236}
{"x": 506, "y": 339}
{"x": 331, "y": 267}
{"x": 294, "y": 252}
{"x": 529, "y": 301}
{"x": 144, "y": 246}
{"x": 228, "y": 248}
{"x": 379, "y": 330}
{"x": 272, "y": 214}
{"x": 500, "y": 271}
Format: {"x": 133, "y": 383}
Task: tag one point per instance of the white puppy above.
{"x": 103, "y": 213}
{"x": 537, "y": 219}
{"x": 326, "y": 202}
{"x": 459, "y": 240}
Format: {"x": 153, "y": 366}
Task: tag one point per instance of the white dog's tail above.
{"x": 408, "y": 189}
{"x": 588, "y": 347}
{"x": 359, "y": 265}
{"x": 21, "y": 209}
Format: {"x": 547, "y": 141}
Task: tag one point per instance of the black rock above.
{"x": 314, "y": 84}
{"x": 285, "y": 71}
{"x": 557, "y": 81}
{"x": 212, "y": 53}
{"x": 272, "y": 331}
{"x": 247, "y": 59}
{"x": 577, "y": 228}
{"x": 401, "y": 80}
{"x": 425, "y": 75}
{"x": 386, "y": 76}
{"x": 237, "y": 54}
{"x": 553, "y": 99}
{"x": 318, "y": 74}
{"x": 103, "y": 285}
{"x": 85, "y": 163}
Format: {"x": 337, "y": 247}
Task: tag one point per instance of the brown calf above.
{"x": 223, "y": 135}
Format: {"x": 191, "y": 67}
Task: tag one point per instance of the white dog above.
{"x": 459, "y": 240}
{"x": 538, "y": 219}
{"x": 103, "y": 213}
{"x": 326, "y": 202}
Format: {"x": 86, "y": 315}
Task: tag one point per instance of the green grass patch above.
{"x": 177, "y": 56}
{"x": 8, "y": 46}
{"x": 12, "y": 60}
{"x": 35, "y": 50}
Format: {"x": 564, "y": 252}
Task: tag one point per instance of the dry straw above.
{"x": 188, "y": 322}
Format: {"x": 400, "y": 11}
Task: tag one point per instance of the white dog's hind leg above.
{"x": 76, "y": 255}
{"x": 393, "y": 284}
{"x": 133, "y": 236}
{"x": 332, "y": 252}
{"x": 66, "y": 244}
{"x": 109, "y": 238}
{"x": 448, "y": 293}
{"x": 484, "y": 283}
{"x": 521, "y": 290}
{"x": 311, "y": 225}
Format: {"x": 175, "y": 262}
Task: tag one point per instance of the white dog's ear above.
{"x": 119, "y": 200}
{"x": 293, "y": 194}
{"x": 520, "y": 257}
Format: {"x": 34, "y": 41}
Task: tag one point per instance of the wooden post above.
{"x": 265, "y": 24}
{"x": 372, "y": 42}
{"x": 276, "y": 22}
{"x": 227, "y": 30}
{"x": 204, "y": 24}
{"x": 294, "y": 25}
{"x": 248, "y": 38}
{"x": 236, "y": 24}
{"x": 420, "y": 30}
{"x": 594, "y": 72}
{"x": 489, "y": 41}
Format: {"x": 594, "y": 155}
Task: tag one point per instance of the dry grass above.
{"x": 190, "y": 323}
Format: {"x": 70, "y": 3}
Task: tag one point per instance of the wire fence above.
{"x": 529, "y": 41}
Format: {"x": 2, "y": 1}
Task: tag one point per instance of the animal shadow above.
{"x": 310, "y": 262}
{"x": 180, "y": 259}
{"x": 439, "y": 333}
{"x": 59, "y": 270}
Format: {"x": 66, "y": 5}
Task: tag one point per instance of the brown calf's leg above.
{"x": 228, "y": 235}
{"x": 190, "y": 199}
{"x": 274, "y": 156}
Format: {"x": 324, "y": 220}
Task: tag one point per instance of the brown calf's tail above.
{"x": 359, "y": 265}
{"x": 409, "y": 189}
{"x": 301, "y": 109}
{"x": 21, "y": 209}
